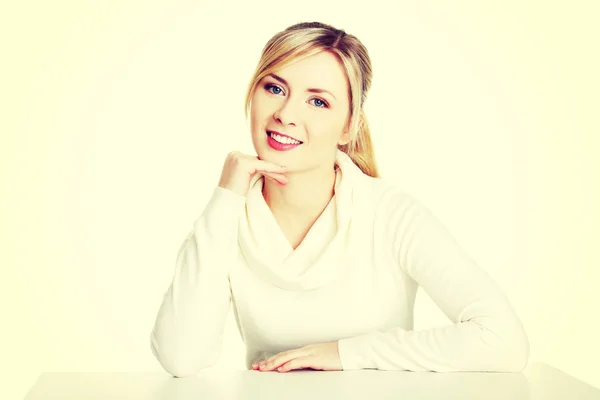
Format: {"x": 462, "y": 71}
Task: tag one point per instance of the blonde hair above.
{"x": 305, "y": 39}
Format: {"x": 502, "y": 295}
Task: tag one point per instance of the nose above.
{"x": 286, "y": 115}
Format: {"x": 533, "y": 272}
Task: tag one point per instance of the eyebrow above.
{"x": 312, "y": 90}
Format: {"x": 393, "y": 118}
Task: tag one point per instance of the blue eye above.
{"x": 324, "y": 104}
{"x": 269, "y": 86}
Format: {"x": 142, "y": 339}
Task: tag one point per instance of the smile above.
{"x": 281, "y": 143}
{"x": 283, "y": 139}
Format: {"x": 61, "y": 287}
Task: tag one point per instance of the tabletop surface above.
{"x": 537, "y": 381}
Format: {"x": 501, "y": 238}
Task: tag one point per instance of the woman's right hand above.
{"x": 239, "y": 168}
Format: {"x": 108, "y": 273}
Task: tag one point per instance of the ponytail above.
{"x": 360, "y": 150}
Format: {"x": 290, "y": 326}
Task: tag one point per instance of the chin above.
{"x": 262, "y": 154}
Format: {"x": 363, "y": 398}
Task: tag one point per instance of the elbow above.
{"x": 515, "y": 361}
{"x": 180, "y": 362}
{"x": 514, "y": 353}
{"x": 520, "y": 351}
{"x": 508, "y": 349}
{"x": 179, "y": 370}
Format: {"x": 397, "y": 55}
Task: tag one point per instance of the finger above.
{"x": 267, "y": 166}
{"x": 280, "y": 183}
{"x": 296, "y": 363}
{"x": 279, "y": 359}
{"x": 276, "y": 177}
{"x": 270, "y": 365}
{"x": 288, "y": 355}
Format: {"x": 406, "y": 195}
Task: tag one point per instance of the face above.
{"x": 287, "y": 103}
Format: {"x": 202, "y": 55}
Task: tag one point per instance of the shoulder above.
{"x": 388, "y": 198}
{"x": 398, "y": 214}
{"x": 389, "y": 204}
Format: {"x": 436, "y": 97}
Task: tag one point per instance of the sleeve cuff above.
{"x": 354, "y": 352}
{"x": 220, "y": 218}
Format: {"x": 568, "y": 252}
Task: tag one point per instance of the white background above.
{"x": 116, "y": 118}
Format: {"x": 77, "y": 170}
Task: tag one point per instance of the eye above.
{"x": 325, "y": 105}
{"x": 269, "y": 86}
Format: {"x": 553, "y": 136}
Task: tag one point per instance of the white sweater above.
{"x": 353, "y": 279}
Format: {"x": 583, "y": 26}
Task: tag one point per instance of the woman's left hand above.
{"x": 320, "y": 356}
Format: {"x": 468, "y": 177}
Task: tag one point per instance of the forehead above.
{"x": 322, "y": 70}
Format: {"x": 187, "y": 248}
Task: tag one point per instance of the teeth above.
{"x": 284, "y": 140}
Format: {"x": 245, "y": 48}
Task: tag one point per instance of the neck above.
{"x": 306, "y": 195}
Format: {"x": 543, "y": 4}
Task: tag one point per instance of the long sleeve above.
{"x": 486, "y": 334}
{"x": 188, "y": 332}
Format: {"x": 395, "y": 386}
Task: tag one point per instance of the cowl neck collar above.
{"x": 316, "y": 261}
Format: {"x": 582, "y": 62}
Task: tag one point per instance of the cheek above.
{"x": 256, "y": 117}
{"x": 325, "y": 128}
{"x": 259, "y": 111}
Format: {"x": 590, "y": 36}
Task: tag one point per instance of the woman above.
{"x": 320, "y": 257}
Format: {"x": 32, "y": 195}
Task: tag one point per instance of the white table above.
{"x": 538, "y": 381}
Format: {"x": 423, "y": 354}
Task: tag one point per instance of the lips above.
{"x": 283, "y": 134}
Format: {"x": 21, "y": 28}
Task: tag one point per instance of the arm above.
{"x": 486, "y": 334}
{"x": 187, "y": 335}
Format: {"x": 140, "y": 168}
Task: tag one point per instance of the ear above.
{"x": 344, "y": 138}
